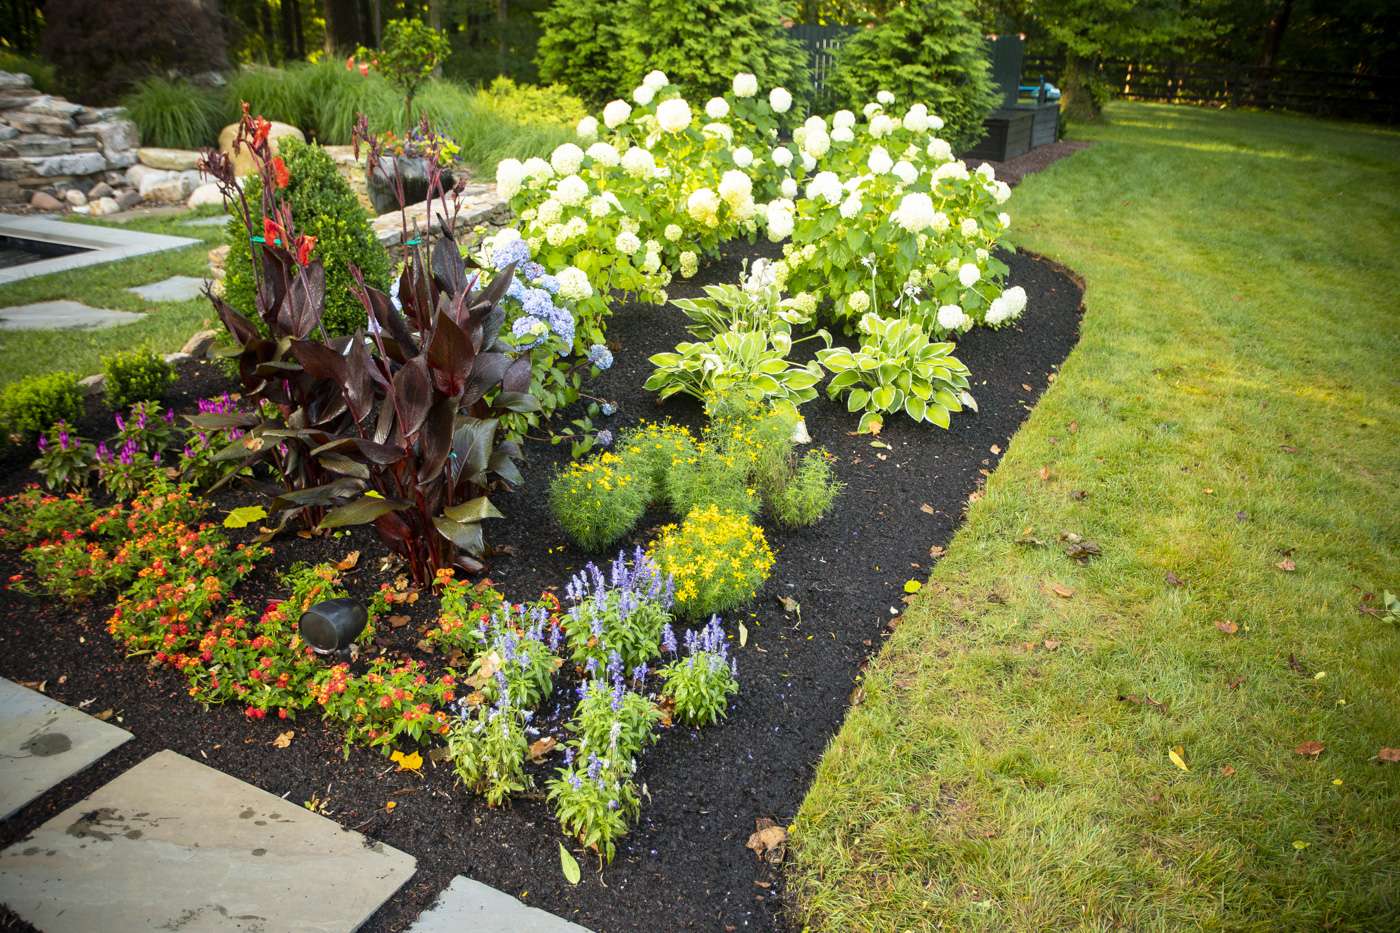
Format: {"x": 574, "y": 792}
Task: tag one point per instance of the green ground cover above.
{"x": 1225, "y": 432}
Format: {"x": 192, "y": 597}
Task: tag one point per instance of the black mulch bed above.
{"x": 1012, "y": 171}
{"x": 684, "y": 866}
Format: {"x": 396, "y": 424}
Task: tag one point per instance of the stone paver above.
{"x": 62, "y": 315}
{"x": 43, "y": 742}
{"x": 175, "y": 288}
{"x": 218, "y": 220}
{"x": 175, "y": 845}
{"x": 101, "y": 244}
{"x": 469, "y": 905}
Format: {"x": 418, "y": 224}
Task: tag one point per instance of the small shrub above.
{"x": 700, "y": 684}
{"x": 806, "y": 493}
{"x": 597, "y": 501}
{"x": 177, "y": 114}
{"x": 488, "y": 747}
{"x": 325, "y": 208}
{"x": 712, "y": 476}
{"x": 528, "y": 103}
{"x": 409, "y": 52}
{"x": 31, "y": 404}
{"x": 718, "y": 559}
{"x": 65, "y": 460}
{"x": 136, "y": 376}
{"x": 651, "y": 449}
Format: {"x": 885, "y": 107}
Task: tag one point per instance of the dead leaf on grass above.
{"x": 1062, "y": 591}
{"x": 284, "y": 739}
{"x": 1227, "y": 771}
{"x": 1079, "y": 495}
{"x": 1286, "y": 565}
{"x": 1178, "y": 757}
{"x": 1045, "y": 473}
{"x": 1074, "y": 427}
{"x": 1226, "y": 626}
{"x": 1051, "y": 644}
{"x": 1389, "y": 755}
{"x": 995, "y": 448}
{"x": 1310, "y": 749}
{"x": 1173, "y": 580}
{"x": 1288, "y": 448}
{"x": 768, "y": 840}
{"x": 540, "y": 748}
{"x": 1080, "y": 549}
{"x": 1234, "y": 682}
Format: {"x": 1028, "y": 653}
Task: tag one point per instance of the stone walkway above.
{"x": 62, "y": 315}
{"x": 173, "y": 844}
{"x": 175, "y": 288}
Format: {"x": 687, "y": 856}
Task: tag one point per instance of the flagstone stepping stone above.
{"x": 43, "y": 742}
{"x": 471, "y": 905}
{"x": 63, "y": 315}
{"x": 175, "y": 845}
{"x": 175, "y": 288}
{"x": 216, "y": 221}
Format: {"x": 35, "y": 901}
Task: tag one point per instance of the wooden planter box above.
{"x": 1013, "y": 131}
{"x": 1045, "y": 123}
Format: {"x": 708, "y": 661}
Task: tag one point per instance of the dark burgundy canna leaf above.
{"x": 448, "y": 267}
{"x": 435, "y": 439}
{"x": 413, "y": 394}
{"x": 517, "y": 375}
{"x": 357, "y": 381}
{"x": 465, "y": 535}
{"x": 320, "y": 360}
{"x": 450, "y": 355}
{"x": 395, "y": 336}
{"x": 486, "y": 375}
{"x": 305, "y": 299}
{"x": 361, "y": 511}
{"x": 239, "y": 327}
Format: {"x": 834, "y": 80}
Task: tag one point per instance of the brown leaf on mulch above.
{"x": 768, "y": 840}
{"x": 540, "y": 749}
{"x": 1310, "y": 749}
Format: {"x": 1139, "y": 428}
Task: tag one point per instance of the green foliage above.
{"x": 603, "y": 48}
{"x": 488, "y": 748}
{"x": 323, "y": 206}
{"x": 528, "y": 103}
{"x": 65, "y": 460}
{"x": 651, "y": 449}
{"x": 44, "y": 74}
{"x": 410, "y": 50}
{"x": 718, "y": 559}
{"x": 924, "y": 51}
{"x": 176, "y": 113}
{"x": 700, "y": 684}
{"x": 897, "y": 369}
{"x": 598, "y": 500}
{"x": 135, "y": 376}
{"x": 34, "y": 403}
{"x": 804, "y": 491}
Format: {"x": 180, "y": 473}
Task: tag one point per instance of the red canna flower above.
{"x": 350, "y": 63}
{"x": 262, "y": 128}
{"x": 271, "y": 231}
{"x": 279, "y": 169}
{"x": 305, "y": 245}
{"x": 364, "y": 70}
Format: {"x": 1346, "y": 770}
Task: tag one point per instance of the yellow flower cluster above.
{"x": 717, "y": 557}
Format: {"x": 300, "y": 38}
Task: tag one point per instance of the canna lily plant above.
{"x": 399, "y": 427}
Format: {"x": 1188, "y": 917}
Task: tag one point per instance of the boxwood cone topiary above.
{"x": 326, "y": 208}
{"x": 925, "y": 51}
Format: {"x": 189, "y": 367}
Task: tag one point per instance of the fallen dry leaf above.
{"x": 1074, "y": 427}
{"x": 768, "y": 840}
{"x": 284, "y": 739}
{"x": 540, "y": 748}
{"x": 936, "y": 552}
{"x": 1226, "y": 626}
{"x": 790, "y": 605}
{"x": 349, "y": 561}
{"x": 1310, "y": 749}
{"x": 490, "y": 664}
{"x": 1286, "y": 565}
{"x": 1174, "y": 580}
{"x": 1178, "y": 757}
{"x": 1045, "y": 473}
{"x": 1051, "y": 644}
{"x": 389, "y": 805}
{"x": 995, "y": 449}
{"x": 410, "y": 762}
{"x": 1234, "y": 682}
{"x": 1080, "y": 549}
{"x": 1288, "y": 448}
{"x": 927, "y": 509}
{"x": 397, "y": 621}
{"x": 1389, "y": 755}
{"x": 1064, "y": 592}
{"x": 1227, "y": 771}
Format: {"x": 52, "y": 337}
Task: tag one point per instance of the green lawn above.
{"x": 1234, "y": 405}
{"x": 165, "y": 328}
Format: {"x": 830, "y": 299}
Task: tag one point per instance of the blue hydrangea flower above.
{"x": 539, "y": 303}
{"x": 531, "y": 270}
{"x": 516, "y": 251}
{"x": 547, "y": 282}
{"x": 604, "y": 438}
{"x": 562, "y": 323}
{"x": 527, "y": 327}
{"x": 608, "y": 408}
{"x": 600, "y": 356}
{"x": 516, "y": 290}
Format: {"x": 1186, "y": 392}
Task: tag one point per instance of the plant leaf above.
{"x": 244, "y": 515}
{"x": 569, "y": 864}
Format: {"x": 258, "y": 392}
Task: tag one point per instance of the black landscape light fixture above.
{"x": 331, "y": 626}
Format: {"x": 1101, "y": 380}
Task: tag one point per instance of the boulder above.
{"x": 113, "y": 134}
{"x": 27, "y": 122}
{"x": 119, "y": 158}
{"x": 43, "y": 201}
{"x": 137, "y": 172}
{"x": 101, "y": 207}
{"x": 75, "y": 197}
{"x": 7, "y": 131}
{"x": 206, "y": 195}
{"x": 100, "y": 190}
{"x": 198, "y": 346}
{"x": 14, "y": 79}
{"x": 243, "y": 162}
{"x": 166, "y": 188}
{"x": 77, "y": 163}
{"x": 51, "y": 106}
{"x": 93, "y": 385}
{"x": 128, "y": 199}
{"x": 41, "y": 144}
{"x": 175, "y": 359}
{"x": 171, "y": 160}
{"x": 92, "y": 115}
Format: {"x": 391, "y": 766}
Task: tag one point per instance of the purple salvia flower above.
{"x": 668, "y": 639}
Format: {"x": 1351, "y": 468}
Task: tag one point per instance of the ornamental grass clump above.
{"x": 718, "y": 559}
{"x": 598, "y": 500}
{"x": 699, "y": 685}
{"x": 805, "y": 491}
{"x": 621, "y": 614}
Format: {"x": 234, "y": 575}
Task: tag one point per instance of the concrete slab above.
{"x": 175, "y": 288}
{"x": 102, "y": 244}
{"x": 43, "y": 742}
{"x": 62, "y": 315}
{"x": 175, "y": 845}
{"x": 471, "y": 905}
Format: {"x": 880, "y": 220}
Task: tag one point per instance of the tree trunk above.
{"x": 343, "y": 32}
{"x": 288, "y": 31}
{"x": 1278, "y": 25}
{"x": 1076, "y": 101}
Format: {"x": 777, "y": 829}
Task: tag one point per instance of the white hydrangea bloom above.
{"x": 870, "y": 110}
{"x": 951, "y": 317}
{"x": 780, "y": 100}
{"x": 549, "y": 211}
{"x": 604, "y": 154}
{"x": 627, "y": 243}
{"x": 719, "y": 130}
{"x": 510, "y": 174}
{"x": 673, "y": 115}
{"x": 885, "y": 98}
{"x": 940, "y": 149}
{"x": 616, "y": 113}
{"x": 935, "y": 122}
{"x": 656, "y": 80}
{"x": 1002, "y": 192}
{"x": 968, "y": 227}
{"x": 734, "y": 186}
{"x": 940, "y": 222}
{"x": 858, "y": 301}
{"x": 702, "y": 205}
{"x": 851, "y": 206}
{"x": 969, "y": 274}
{"x": 745, "y": 84}
{"x": 982, "y": 254}
{"x": 954, "y": 170}
{"x": 599, "y": 207}
{"x": 817, "y": 144}
{"x": 825, "y": 186}
{"x": 879, "y": 161}
{"x": 1004, "y": 219}
{"x": 916, "y": 119}
{"x": 1015, "y": 297}
{"x": 814, "y": 124}
{"x": 915, "y": 212}
{"x": 571, "y": 190}
{"x": 882, "y": 125}
{"x": 779, "y": 219}
{"x": 986, "y": 171}
{"x": 843, "y": 118}
{"x": 577, "y": 226}
{"x": 566, "y": 159}
{"x": 574, "y": 284}
{"x": 782, "y": 157}
{"x": 717, "y": 108}
{"x": 905, "y": 171}
{"x": 643, "y": 94}
{"x": 743, "y": 156}
{"x": 690, "y": 263}
{"x": 808, "y": 162}
{"x": 538, "y": 170}
{"x": 788, "y": 187}
{"x": 587, "y": 129}
{"x": 842, "y": 134}
{"x": 638, "y": 162}
{"x": 557, "y": 235}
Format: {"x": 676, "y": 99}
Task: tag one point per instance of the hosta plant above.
{"x": 897, "y": 369}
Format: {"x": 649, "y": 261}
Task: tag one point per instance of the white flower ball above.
{"x": 808, "y": 162}
{"x": 986, "y": 171}
{"x": 745, "y": 84}
{"x": 616, "y": 113}
{"x": 905, "y": 171}
{"x": 882, "y": 125}
{"x": 825, "y": 186}
{"x": 571, "y": 190}
{"x": 914, "y": 213}
{"x": 789, "y": 187}
{"x": 574, "y": 284}
{"x": 599, "y": 207}
{"x": 842, "y": 134}
{"x": 939, "y": 149}
{"x": 940, "y": 222}
{"x": 656, "y": 80}
{"x": 885, "y": 98}
{"x": 587, "y": 129}
{"x": 643, "y": 94}
{"x": 1015, "y": 297}
{"x": 870, "y": 110}
{"x": 1004, "y": 219}
{"x": 717, "y": 108}
{"x": 510, "y": 174}
{"x": 627, "y": 243}
{"x": 673, "y": 115}
{"x": 549, "y": 211}
{"x": 935, "y": 122}
{"x": 538, "y": 170}
{"x": 566, "y": 159}
{"x": 779, "y": 219}
{"x": 879, "y": 162}
{"x": 968, "y": 227}
{"x": 603, "y": 153}
{"x": 817, "y": 144}
{"x": 780, "y": 100}
{"x": 814, "y": 124}
{"x": 743, "y": 156}
{"x": 673, "y": 232}
{"x": 719, "y": 130}
{"x": 782, "y": 157}
{"x": 851, "y": 206}
{"x": 702, "y": 205}
{"x": 1002, "y": 192}
{"x": 843, "y": 118}
{"x": 951, "y": 317}
{"x": 968, "y": 274}
{"x": 916, "y": 119}
{"x": 638, "y": 162}
{"x": 858, "y": 301}
{"x": 982, "y": 255}
{"x": 734, "y": 186}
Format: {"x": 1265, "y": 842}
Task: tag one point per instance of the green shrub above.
{"x": 135, "y": 376}
{"x": 806, "y": 491}
{"x": 580, "y": 46}
{"x": 31, "y": 404}
{"x": 925, "y": 51}
{"x": 718, "y": 559}
{"x": 323, "y": 206}
{"x": 408, "y": 54}
{"x": 527, "y": 103}
{"x": 176, "y": 114}
{"x": 44, "y": 75}
{"x": 598, "y": 500}
{"x": 651, "y": 450}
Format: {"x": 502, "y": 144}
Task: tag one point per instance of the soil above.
{"x": 1012, "y": 171}
{"x": 684, "y": 865}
